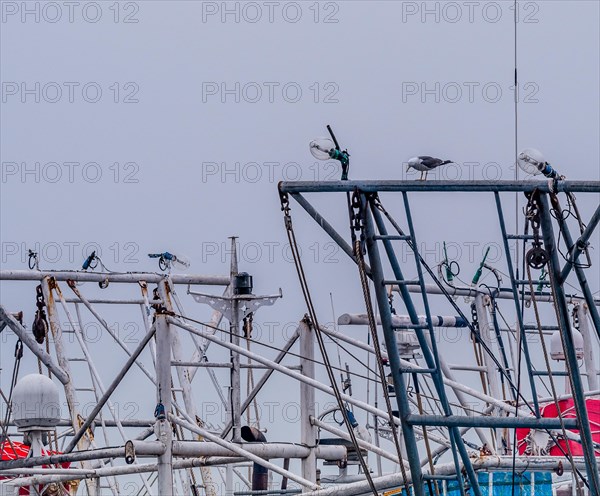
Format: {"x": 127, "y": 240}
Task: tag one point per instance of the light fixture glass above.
{"x": 181, "y": 260}
{"x": 531, "y": 161}
{"x": 320, "y": 148}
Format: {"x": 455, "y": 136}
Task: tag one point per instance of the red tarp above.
{"x": 15, "y": 450}
{"x": 567, "y": 408}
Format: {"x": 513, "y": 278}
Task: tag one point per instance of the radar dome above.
{"x": 35, "y": 403}
{"x": 556, "y": 349}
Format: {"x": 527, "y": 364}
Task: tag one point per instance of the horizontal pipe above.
{"x": 503, "y": 294}
{"x": 437, "y": 186}
{"x": 142, "y": 448}
{"x": 569, "y": 396}
{"x": 403, "y": 320}
{"x": 224, "y": 365}
{"x": 46, "y": 471}
{"x": 468, "y": 368}
{"x": 105, "y": 423}
{"x": 491, "y": 422}
{"x": 116, "y": 277}
{"x": 110, "y": 301}
{"x": 264, "y": 450}
{"x": 120, "y": 470}
{"x": 268, "y": 492}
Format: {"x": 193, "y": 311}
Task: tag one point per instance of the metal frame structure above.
{"x": 373, "y": 230}
{"x": 182, "y": 445}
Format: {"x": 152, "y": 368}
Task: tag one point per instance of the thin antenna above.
{"x": 516, "y": 102}
{"x": 516, "y": 25}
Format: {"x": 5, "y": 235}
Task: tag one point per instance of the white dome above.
{"x": 556, "y": 348}
{"x": 35, "y": 403}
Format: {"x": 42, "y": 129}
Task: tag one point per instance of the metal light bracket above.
{"x": 224, "y": 304}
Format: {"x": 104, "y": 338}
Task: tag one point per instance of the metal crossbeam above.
{"x": 438, "y": 186}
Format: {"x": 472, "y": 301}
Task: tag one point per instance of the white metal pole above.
{"x": 229, "y": 480}
{"x": 588, "y": 348}
{"x": 111, "y": 277}
{"x": 485, "y": 331}
{"x": 308, "y": 432}
{"x": 235, "y": 374}
{"x": 165, "y": 432}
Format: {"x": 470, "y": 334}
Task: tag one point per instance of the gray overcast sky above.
{"x": 166, "y": 126}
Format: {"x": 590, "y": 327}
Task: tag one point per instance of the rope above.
{"x": 358, "y": 253}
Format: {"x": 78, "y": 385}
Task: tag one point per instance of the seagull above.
{"x": 425, "y": 163}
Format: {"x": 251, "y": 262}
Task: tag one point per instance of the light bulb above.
{"x": 320, "y": 148}
{"x": 531, "y": 161}
{"x": 181, "y": 260}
